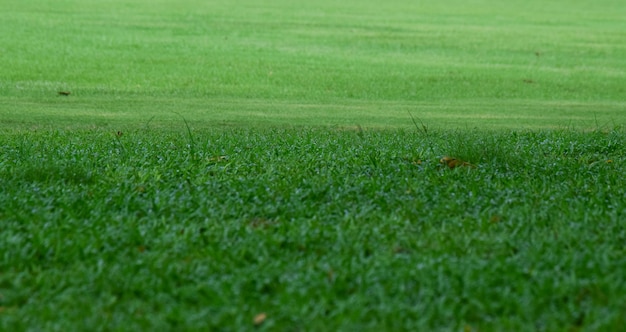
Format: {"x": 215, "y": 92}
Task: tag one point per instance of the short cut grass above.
{"x": 242, "y": 165}
{"x": 452, "y": 63}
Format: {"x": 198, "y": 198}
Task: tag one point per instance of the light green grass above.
{"x": 451, "y": 63}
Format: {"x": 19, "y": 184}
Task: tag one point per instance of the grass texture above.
{"x": 315, "y": 229}
{"x": 452, "y": 63}
{"x": 256, "y": 165}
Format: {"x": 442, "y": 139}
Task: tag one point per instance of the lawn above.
{"x": 276, "y": 166}
{"x": 451, "y": 63}
{"x": 318, "y": 229}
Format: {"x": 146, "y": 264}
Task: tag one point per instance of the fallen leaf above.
{"x": 260, "y": 318}
{"x": 495, "y": 219}
{"x": 400, "y": 250}
{"x": 64, "y": 93}
{"x": 260, "y": 223}
{"x": 453, "y": 162}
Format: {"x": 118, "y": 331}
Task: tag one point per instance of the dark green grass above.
{"x": 320, "y": 230}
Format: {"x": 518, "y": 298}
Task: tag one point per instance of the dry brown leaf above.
{"x": 454, "y": 162}
{"x": 260, "y": 318}
{"x": 495, "y": 218}
{"x": 217, "y": 159}
{"x": 400, "y": 250}
{"x": 260, "y": 223}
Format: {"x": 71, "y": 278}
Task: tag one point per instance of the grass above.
{"x": 320, "y": 230}
{"x": 459, "y": 64}
{"x": 275, "y": 166}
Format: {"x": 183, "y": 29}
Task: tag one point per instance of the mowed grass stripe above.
{"x": 79, "y": 112}
{"x": 131, "y": 53}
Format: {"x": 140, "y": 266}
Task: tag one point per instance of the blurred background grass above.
{"x": 481, "y": 64}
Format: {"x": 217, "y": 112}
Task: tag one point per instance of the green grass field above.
{"x": 451, "y": 63}
{"x": 274, "y": 165}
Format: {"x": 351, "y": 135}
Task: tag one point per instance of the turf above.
{"x": 275, "y": 165}
{"x": 459, "y": 64}
{"x": 318, "y": 229}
